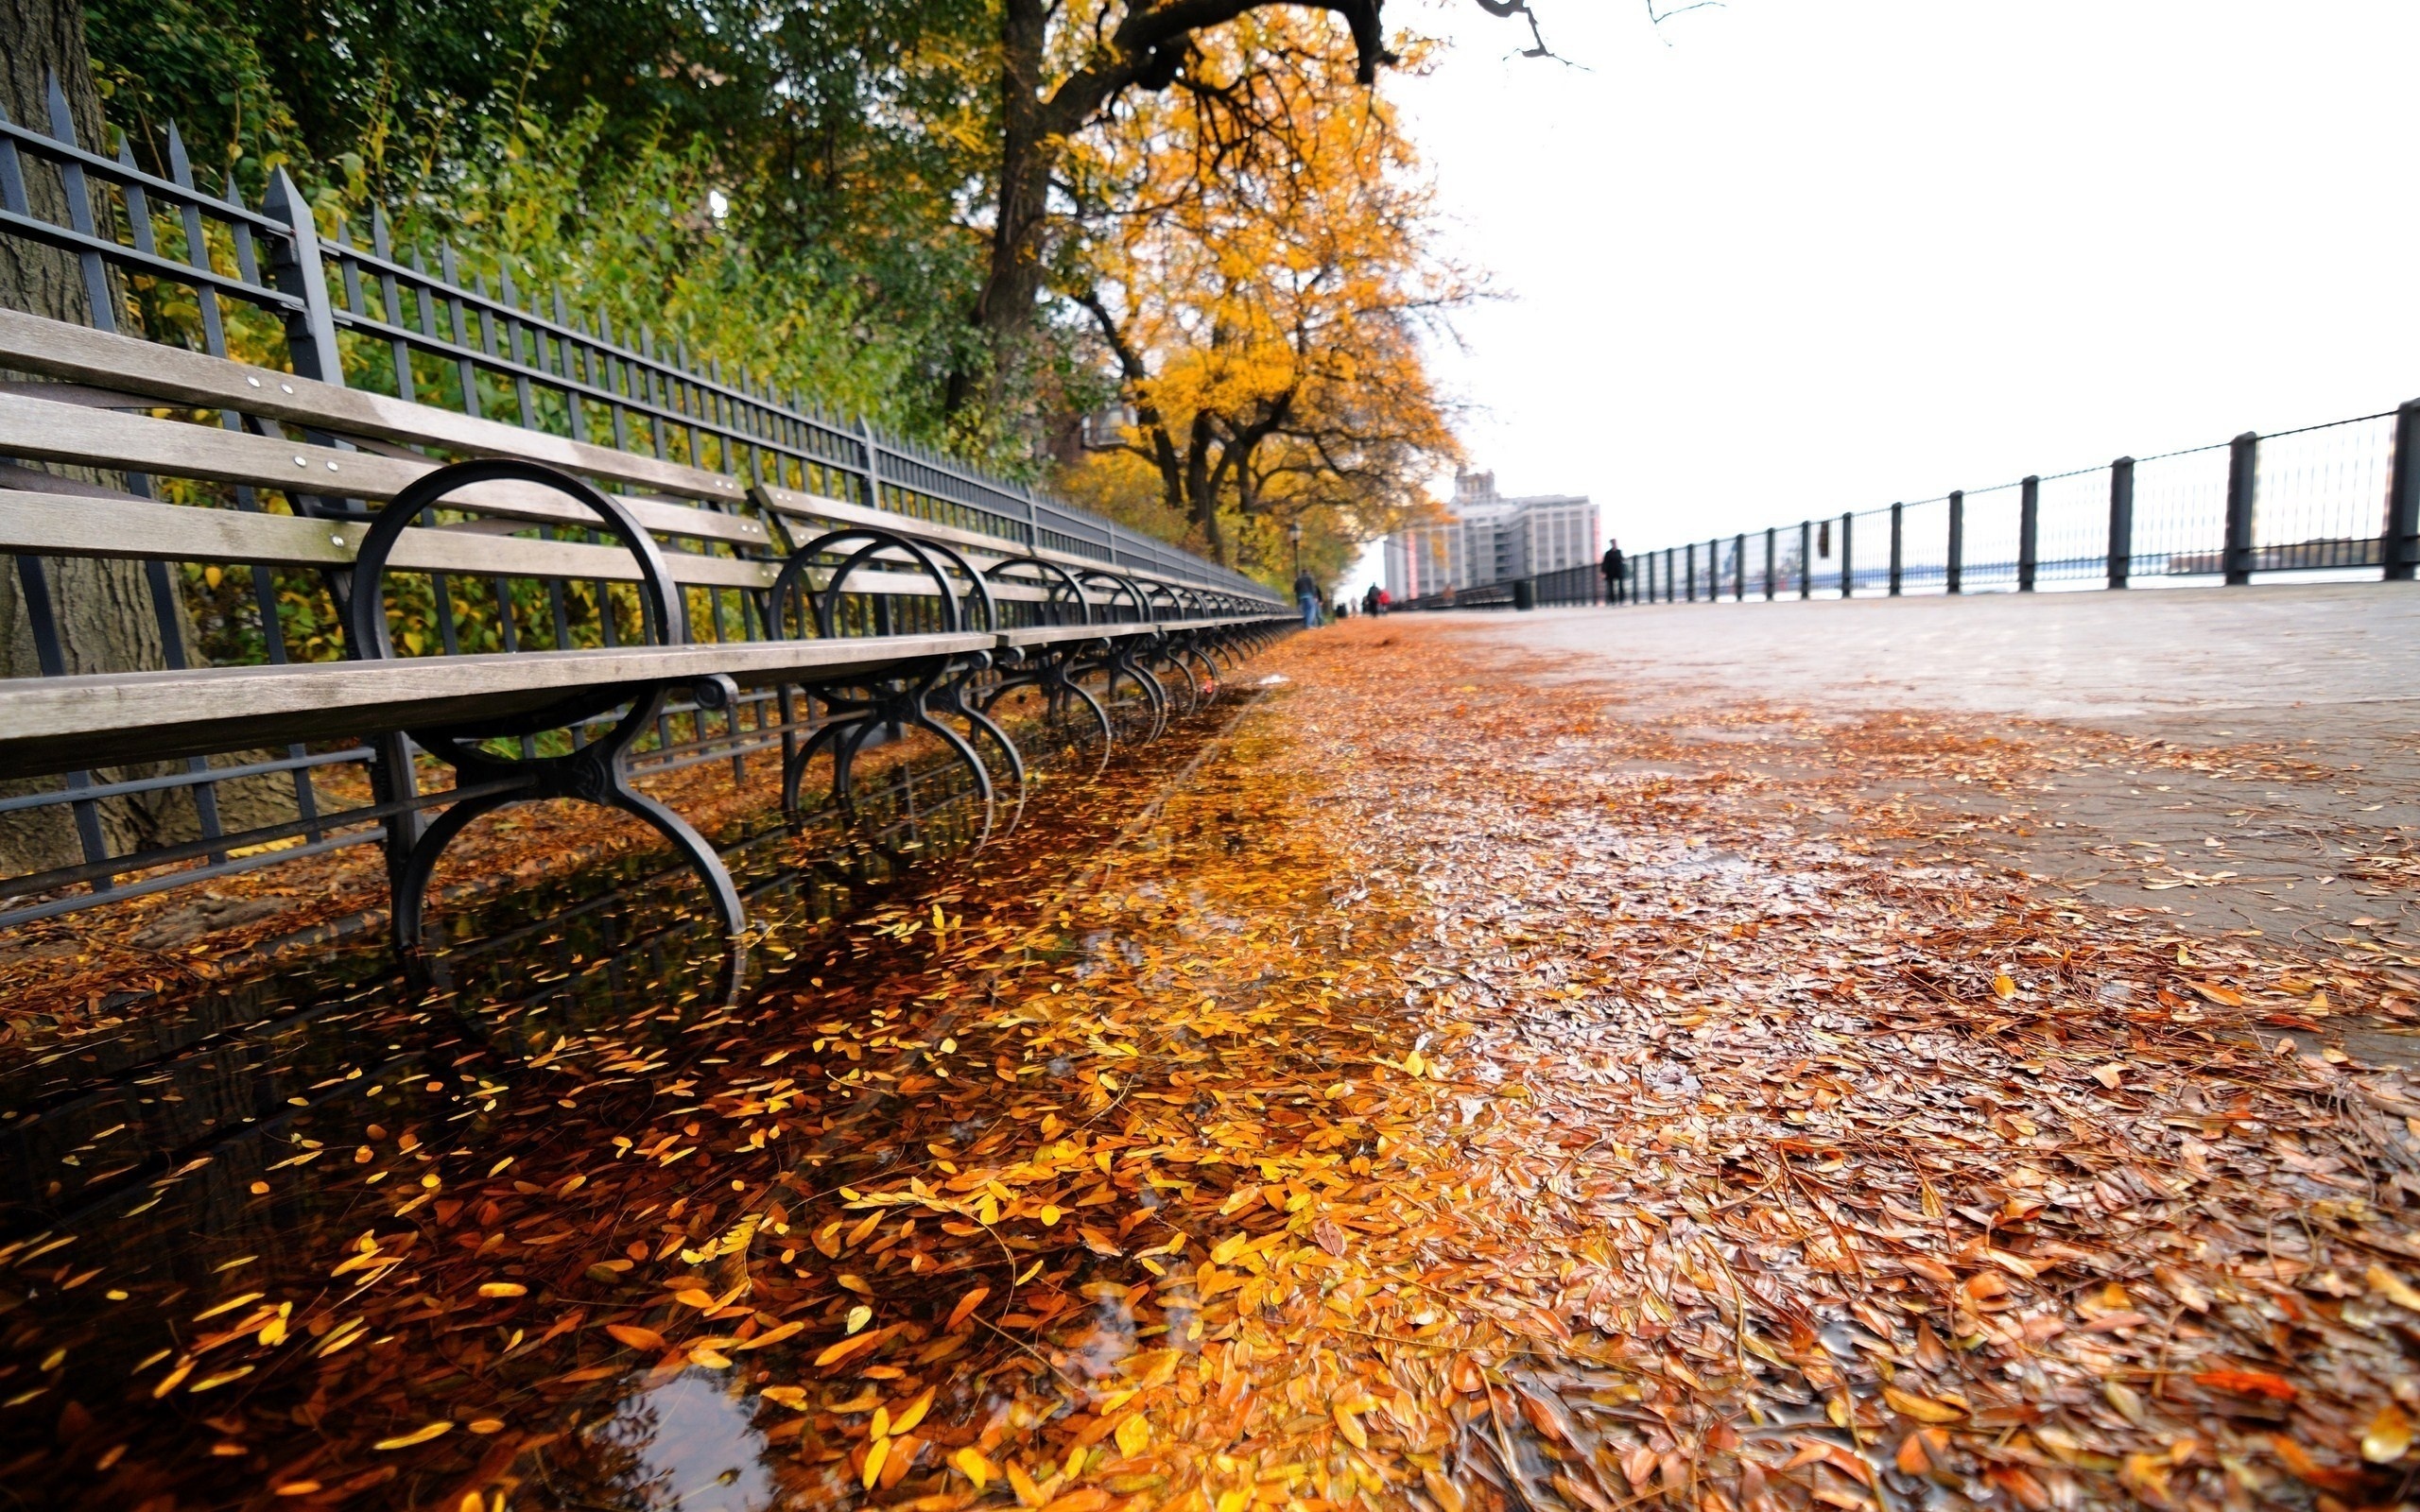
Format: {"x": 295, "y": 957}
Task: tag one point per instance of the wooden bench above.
{"x": 913, "y": 622}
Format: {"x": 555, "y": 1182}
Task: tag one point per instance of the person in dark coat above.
{"x": 1307, "y": 593}
{"x": 1613, "y": 568}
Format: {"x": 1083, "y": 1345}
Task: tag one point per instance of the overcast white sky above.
{"x": 1777, "y": 258}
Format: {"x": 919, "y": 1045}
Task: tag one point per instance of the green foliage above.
{"x": 588, "y": 148}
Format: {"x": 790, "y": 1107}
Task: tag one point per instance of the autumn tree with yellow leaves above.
{"x": 1252, "y": 249}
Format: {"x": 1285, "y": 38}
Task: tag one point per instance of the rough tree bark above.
{"x": 1145, "y": 50}
{"x": 104, "y": 609}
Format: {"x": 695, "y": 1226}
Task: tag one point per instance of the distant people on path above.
{"x": 1307, "y": 593}
{"x": 1612, "y": 566}
{"x": 1370, "y": 600}
{"x": 1386, "y": 601}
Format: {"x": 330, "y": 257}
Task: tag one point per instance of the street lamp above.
{"x": 1294, "y": 534}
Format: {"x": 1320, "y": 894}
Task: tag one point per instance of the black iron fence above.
{"x": 2342, "y": 498}
{"x": 167, "y": 259}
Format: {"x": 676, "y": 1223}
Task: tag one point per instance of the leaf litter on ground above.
{"x": 1457, "y": 1093}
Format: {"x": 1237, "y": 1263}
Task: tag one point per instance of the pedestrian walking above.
{"x": 1370, "y": 600}
{"x": 1613, "y": 567}
{"x": 1307, "y": 593}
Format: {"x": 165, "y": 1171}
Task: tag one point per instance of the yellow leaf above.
{"x": 2003, "y": 988}
{"x": 966, "y": 1304}
{"x": 771, "y": 1335}
{"x": 970, "y": 1463}
{"x": 859, "y": 1316}
{"x": 692, "y": 1296}
{"x": 1413, "y": 1064}
{"x": 1027, "y": 1493}
{"x": 1229, "y": 1249}
{"x": 504, "y": 1289}
{"x": 876, "y": 1452}
{"x": 637, "y": 1337}
{"x": 711, "y": 1358}
{"x": 418, "y": 1436}
{"x": 2389, "y": 1436}
{"x": 2393, "y": 1287}
{"x": 794, "y": 1397}
{"x": 847, "y": 1348}
{"x": 913, "y": 1413}
{"x": 1134, "y": 1434}
{"x": 1350, "y": 1426}
{"x": 880, "y": 1427}
{"x": 1923, "y": 1409}
{"x": 1233, "y": 1501}
{"x": 1050, "y": 1214}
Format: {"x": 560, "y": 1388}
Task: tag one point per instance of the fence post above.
{"x": 1895, "y": 548}
{"x": 2029, "y": 526}
{"x": 2121, "y": 521}
{"x": 298, "y": 269}
{"x": 1957, "y": 574}
{"x": 1739, "y": 567}
{"x": 2243, "y": 465}
{"x": 2401, "y": 551}
{"x": 1689, "y": 572}
{"x": 1807, "y": 559}
{"x": 1848, "y": 583}
{"x": 1768, "y": 564}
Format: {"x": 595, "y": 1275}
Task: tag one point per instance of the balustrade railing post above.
{"x": 2243, "y": 468}
{"x": 1957, "y": 573}
{"x": 2121, "y": 521}
{"x": 1768, "y": 564}
{"x": 298, "y": 269}
{"x": 1848, "y": 582}
{"x": 2029, "y": 526}
{"x": 1895, "y": 548}
{"x": 1807, "y": 559}
{"x": 2400, "y": 550}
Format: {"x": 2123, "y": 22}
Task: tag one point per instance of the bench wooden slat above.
{"x": 137, "y": 443}
{"x": 33, "y": 344}
{"x": 66, "y": 524}
{"x": 58, "y": 524}
{"x": 59, "y": 724}
{"x": 127, "y": 366}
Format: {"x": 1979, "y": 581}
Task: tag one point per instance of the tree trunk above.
{"x": 1028, "y": 151}
{"x": 106, "y": 614}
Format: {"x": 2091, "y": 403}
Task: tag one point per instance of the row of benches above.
{"x": 667, "y": 586}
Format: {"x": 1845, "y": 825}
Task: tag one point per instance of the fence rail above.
{"x": 162, "y": 258}
{"x": 2339, "y": 498}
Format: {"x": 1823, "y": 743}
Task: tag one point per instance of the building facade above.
{"x": 1490, "y": 540}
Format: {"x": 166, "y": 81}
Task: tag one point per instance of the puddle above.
{"x": 689, "y": 1445}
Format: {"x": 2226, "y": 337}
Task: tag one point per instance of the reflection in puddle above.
{"x": 690, "y": 1446}
{"x": 274, "y": 1236}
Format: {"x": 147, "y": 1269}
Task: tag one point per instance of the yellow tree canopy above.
{"x": 1255, "y": 255}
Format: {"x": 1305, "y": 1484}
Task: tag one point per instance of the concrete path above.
{"x": 2087, "y": 656}
{"x": 2265, "y": 775}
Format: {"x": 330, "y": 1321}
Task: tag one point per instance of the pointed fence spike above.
{"x": 179, "y": 166}
{"x": 62, "y": 122}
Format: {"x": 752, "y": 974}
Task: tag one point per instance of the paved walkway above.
{"x": 2096, "y": 656}
{"x": 2265, "y": 770}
